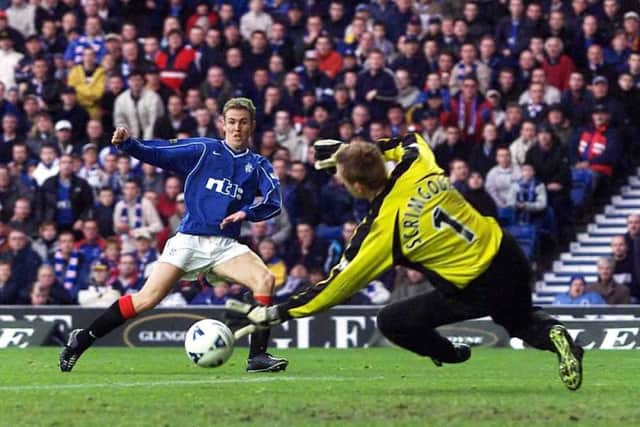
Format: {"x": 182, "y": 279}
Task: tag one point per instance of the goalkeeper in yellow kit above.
{"x": 417, "y": 219}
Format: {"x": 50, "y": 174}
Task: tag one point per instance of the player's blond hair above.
{"x": 240, "y": 103}
{"x": 362, "y": 162}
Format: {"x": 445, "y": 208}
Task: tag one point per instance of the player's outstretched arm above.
{"x": 369, "y": 255}
{"x": 180, "y": 158}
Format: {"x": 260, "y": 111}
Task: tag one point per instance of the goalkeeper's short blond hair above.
{"x": 362, "y": 162}
{"x": 240, "y": 103}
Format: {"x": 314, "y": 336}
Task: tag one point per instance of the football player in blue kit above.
{"x": 221, "y": 181}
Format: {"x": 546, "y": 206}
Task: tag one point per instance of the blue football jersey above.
{"x": 217, "y": 181}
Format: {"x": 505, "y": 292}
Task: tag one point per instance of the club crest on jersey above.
{"x": 248, "y": 168}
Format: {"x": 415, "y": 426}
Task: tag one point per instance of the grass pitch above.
{"x": 357, "y": 387}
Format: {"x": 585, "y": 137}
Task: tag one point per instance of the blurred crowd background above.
{"x": 531, "y": 108}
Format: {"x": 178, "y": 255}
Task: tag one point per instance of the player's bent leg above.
{"x": 162, "y": 279}
{"x": 411, "y": 324}
{"x": 248, "y": 270}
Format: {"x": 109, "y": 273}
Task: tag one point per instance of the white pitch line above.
{"x": 36, "y": 387}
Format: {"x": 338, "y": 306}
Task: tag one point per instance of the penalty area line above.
{"x": 42, "y": 387}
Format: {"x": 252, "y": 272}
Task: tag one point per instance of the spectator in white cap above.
{"x": 64, "y": 140}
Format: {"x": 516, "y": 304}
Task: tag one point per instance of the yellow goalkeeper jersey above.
{"x": 420, "y": 221}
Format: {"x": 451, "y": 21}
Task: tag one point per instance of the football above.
{"x": 209, "y": 343}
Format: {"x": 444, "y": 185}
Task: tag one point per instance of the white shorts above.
{"x": 199, "y": 254}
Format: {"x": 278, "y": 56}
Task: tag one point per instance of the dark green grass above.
{"x": 365, "y": 387}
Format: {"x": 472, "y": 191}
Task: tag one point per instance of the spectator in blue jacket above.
{"x": 577, "y": 295}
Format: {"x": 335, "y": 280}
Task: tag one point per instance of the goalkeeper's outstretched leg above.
{"x": 510, "y": 305}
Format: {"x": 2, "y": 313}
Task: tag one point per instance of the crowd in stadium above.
{"x": 531, "y": 108}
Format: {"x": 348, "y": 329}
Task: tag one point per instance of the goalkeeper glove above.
{"x": 326, "y": 150}
{"x": 263, "y": 316}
